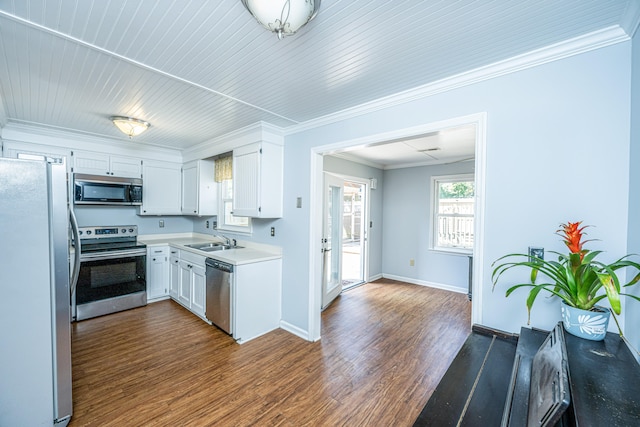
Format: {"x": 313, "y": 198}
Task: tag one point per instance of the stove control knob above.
{"x": 80, "y": 232}
{"x": 131, "y": 230}
{"x": 88, "y": 231}
{"x": 124, "y": 230}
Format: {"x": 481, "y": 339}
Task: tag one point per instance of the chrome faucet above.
{"x": 228, "y": 241}
{"x": 222, "y": 236}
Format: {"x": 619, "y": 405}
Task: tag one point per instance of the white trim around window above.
{"x": 452, "y": 226}
{"x": 226, "y": 220}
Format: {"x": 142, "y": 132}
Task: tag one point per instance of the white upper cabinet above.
{"x": 104, "y": 164}
{"x": 161, "y": 188}
{"x": 27, "y": 151}
{"x": 257, "y": 180}
{"x": 199, "y": 190}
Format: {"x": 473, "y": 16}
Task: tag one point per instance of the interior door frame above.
{"x": 316, "y": 203}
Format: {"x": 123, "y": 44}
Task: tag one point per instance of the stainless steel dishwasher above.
{"x": 218, "y": 293}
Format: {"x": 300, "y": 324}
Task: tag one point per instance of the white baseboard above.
{"x": 425, "y": 283}
{"x": 162, "y": 298}
{"x": 294, "y": 330}
{"x": 374, "y": 278}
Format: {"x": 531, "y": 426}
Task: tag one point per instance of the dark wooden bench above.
{"x": 488, "y": 383}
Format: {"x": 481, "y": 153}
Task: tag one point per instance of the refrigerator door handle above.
{"x": 76, "y": 252}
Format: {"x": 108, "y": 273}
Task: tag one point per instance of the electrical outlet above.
{"x": 207, "y": 224}
{"x": 412, "y": 262}
{"x": 299, "y": 202}
{"x": 161, "y": 223}
{"x": 273, "y": 231}
{"x": 536, "y": 253}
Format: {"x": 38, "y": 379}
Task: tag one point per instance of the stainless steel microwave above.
{"x": 106, "y": 190}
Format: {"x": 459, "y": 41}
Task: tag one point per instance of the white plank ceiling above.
{"x": 200, "y": 69}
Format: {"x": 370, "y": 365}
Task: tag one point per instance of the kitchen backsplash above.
{"x": 121, "y": 215}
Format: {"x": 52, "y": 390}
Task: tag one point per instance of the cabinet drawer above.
{"x": 192, "y": 258}
{"x": 158, "y": 251}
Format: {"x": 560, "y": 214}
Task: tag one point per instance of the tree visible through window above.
{"x": 454, "y": 203}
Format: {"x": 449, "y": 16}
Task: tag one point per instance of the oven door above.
{"x": 113, "y": 274}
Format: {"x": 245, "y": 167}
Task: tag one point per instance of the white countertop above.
{"x": 249, "y": 252}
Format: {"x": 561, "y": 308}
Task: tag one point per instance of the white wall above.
{"x": 632, "y": 312}
{"x": 557, "y": 150}
{"x": 126, "y": 215}
{"x": 346, "y": 167}
{"x": 407, "y": 230}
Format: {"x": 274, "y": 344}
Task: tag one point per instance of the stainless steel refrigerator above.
{"x": 35, "y": 332}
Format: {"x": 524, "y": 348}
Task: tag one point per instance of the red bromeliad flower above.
{"x": 571, "y": 232}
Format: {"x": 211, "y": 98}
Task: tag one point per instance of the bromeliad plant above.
{"x": 577, "y": 278}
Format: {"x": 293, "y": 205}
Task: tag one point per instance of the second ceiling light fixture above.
{"x": 283, "y": 17}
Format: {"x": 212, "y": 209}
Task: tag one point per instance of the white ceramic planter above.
{"x": 591, "y": 325}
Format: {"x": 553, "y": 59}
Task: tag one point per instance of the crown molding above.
{"x": 256, "y": 132}
{"x": 592, "y": 41}
{"x": 631, "y": 19}
{"x": 37, "y": 133}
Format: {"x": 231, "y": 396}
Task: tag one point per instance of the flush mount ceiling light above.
{"x": 130, "y": 126}
{"x": 283, "y": 17}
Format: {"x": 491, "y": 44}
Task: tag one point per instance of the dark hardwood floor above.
{"x": 385, "y": 345}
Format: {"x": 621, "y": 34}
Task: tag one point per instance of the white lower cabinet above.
{"x": 256, "y": 307}
{"x": 255, "y": 292}
{"x": 174, "y": 273}
{"x": 157, "y": 272}
{"x": 184, "y": 290}
{"x": 187, "y": 280}
{"x": 198, "y": 279}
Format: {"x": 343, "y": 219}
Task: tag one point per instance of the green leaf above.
{"x": 608, "y": 282}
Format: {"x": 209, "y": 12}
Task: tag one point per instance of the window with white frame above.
{"x": 226, "y": 219}
{"x": 453, "y": 212}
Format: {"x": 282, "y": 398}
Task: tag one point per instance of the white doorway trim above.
{"x": 315, "y": 207}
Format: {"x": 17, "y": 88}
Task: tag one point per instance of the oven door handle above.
{"x": 112, "y": 254}
{"x": 76, "y": 253}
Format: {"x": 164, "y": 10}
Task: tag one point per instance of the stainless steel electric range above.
{"x": 112, "y": 273}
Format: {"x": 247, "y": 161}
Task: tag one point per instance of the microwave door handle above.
{"x": 78, "y": 192}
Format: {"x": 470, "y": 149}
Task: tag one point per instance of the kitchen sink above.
{"x": 219, "y": 248}
{"x": 204, "y": 245}
{"x": 212, "y": 247}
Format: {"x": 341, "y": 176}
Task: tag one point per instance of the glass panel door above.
{"x": 332, "y": 239}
